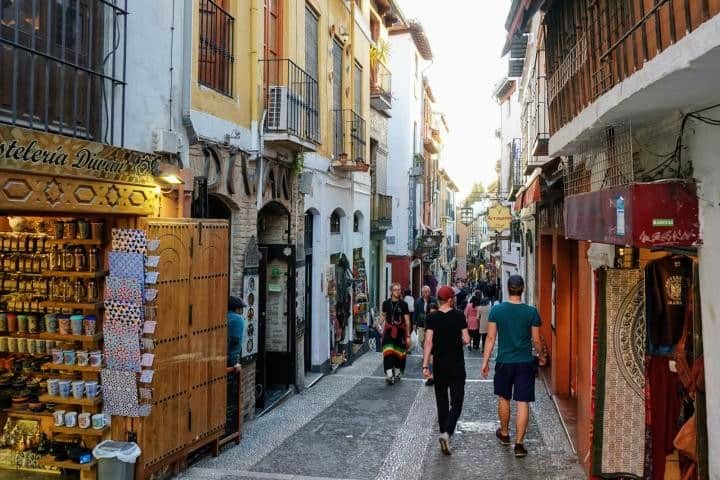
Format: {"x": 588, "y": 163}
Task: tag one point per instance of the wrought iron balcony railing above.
{"x": 349, "y": 140}
{"x": 516, "y": 167}
{"x": 381, "y": 215}
{"x": 292, "y": 104}
{"x": 62, "y": 67}
{"x": 380, "y": 87}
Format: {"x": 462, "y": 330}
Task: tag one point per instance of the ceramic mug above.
{"x": 78, "y": 389}
{"x": 69, "y": 357}
{"x": 33, "y": 324}
{"x": 22, "y": 323}
{"x": 3, "y": 322}
{"x": 59, "y": 416}
{"x": 3, "y": 344}
{"x": 92, "y": 389}
{"x": 84, "y": 420}
{"x": 53, "y": 387}
{"x": 65, "y": 387}
{"x": 31, "y": 346}
{"x": 40, "y": 346}
{"x": 12, "y": 344}
{"x": 57, "y": 356}
{"x": 22, "y": 345}
{"x": 95, "y": 358}
{"x": 71, "y": 419}
{"x": 90, "y": 324}
{"x": 51, "y": 323}
{"x": 49, "y": 345}
{"x": 76, "y": 324}
{"x": 64, "y": 324}
{"x": 98, "y": 421}
{"x": 82, "y": 358}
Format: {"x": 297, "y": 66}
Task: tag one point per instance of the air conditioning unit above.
{"x": 277, "y": 118}
{"x": 166, "y": 141}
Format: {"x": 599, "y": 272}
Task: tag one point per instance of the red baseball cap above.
{"x": 445, "y": 293}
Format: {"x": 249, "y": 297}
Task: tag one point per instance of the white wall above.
{"x": 350, "y": 193}
{"x": 704, "y": 147}
{"x": 510, "y": 128}
{"x": 406, "y": 110}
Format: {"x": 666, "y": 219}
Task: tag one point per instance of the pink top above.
{"x": 471, "y": 317}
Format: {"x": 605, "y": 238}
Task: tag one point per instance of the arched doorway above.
{"x": 275, "y": 368}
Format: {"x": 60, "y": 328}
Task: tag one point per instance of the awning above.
{"x": 643, "y": 215}
{"x": 528, "y": 195}
{"x": 486, "y": 244}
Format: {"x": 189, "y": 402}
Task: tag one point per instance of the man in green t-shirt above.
{"x": 517, "y": 327}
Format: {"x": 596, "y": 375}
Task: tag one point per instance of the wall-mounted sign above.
{"x": 31, "y": 151}
{"x": 250, "y": 335}
{"x": 663, "y": 222}
{"x": 499, "y": 218}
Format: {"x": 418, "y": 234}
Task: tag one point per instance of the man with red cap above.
{"x": 446, "y": 334}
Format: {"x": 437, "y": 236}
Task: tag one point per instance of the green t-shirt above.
{"x": 514, "y": 322}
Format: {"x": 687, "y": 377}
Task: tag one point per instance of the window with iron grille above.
{"x": 216, "y": 46}
{"x": 62, "y": 66}
{"x": 335, "y": 222}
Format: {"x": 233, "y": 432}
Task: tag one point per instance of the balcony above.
{"x": 593, "y": 46}
{"x": 431, "y": 140}
{"x": 55, "y": 73}
{"x": 516, "y": 168}
{"x": 381, "y": 215}
{"x": 381, "y": 88}
{"x": 349, "y": 135}
{"x": 292, "y": 106}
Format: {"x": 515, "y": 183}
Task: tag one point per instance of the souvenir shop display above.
{"x": 360, "y": 298}
{"x": 51, "y": 279}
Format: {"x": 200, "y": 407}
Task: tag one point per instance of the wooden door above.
{"x": 165, "y": 431}
{"x": 189, "y": 396}
{"x": 208, "y": 329}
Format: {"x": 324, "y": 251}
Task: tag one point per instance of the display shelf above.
{"x": 26, "y": 414}
{"x": 81, "y": 274}
{"x": 61, "y": 337}
{"x": 49, "y": 461}
{"x": 70, "y": 368}
{"x": 88, "y": 402}
{"x": 71, "y": 305}
{"x": 85, "y": 432}
{"x": 63, "y": 242}
{"x": 22, "y": 274}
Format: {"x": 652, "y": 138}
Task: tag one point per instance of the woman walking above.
{"x": 396, "y": 334}
{"x": 483, "y": 314}
{"x": 471, "y": 317}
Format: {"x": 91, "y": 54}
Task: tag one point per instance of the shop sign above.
{"x": 29, "y": 151}
{"x": 499, "y": 218}
{"x": 251, "y": 297}
{"x": 596, "y": 216}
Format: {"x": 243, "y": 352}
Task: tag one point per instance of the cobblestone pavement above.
{"x": 351, "y": 426}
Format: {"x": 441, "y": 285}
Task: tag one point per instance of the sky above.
{"x": 466, "y": 37}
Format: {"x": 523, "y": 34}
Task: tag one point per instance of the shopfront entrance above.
{"x": 275, "y": 372}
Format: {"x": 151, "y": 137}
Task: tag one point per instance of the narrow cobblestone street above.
{"x": 350, "y": 425}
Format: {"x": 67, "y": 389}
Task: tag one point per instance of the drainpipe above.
{"x": 187, "y": 72}
{"x": 254, "y": 101}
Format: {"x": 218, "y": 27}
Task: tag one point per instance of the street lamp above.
{"x": 467, "y": 216}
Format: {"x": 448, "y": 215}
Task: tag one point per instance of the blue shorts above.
{"x": 515, "y": 381}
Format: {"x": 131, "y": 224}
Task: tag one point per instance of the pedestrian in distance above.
{"x": 483, "y": 311}
{"x": 420, "y": 311}
{"x": 396, "y": 334}
{"x": 516, "y": 326}
{"x": 471, "y": 317}
{"x": 446, "y": 334}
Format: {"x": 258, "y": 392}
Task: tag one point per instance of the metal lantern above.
{"x": 467, "y": 216}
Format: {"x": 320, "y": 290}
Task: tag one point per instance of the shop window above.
{"x": 216, "y": 46}
{"x": 55, "y": 62}
{"x": 335, "y": 222}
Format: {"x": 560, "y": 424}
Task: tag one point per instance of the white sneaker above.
{"x": 444, "y": 440}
